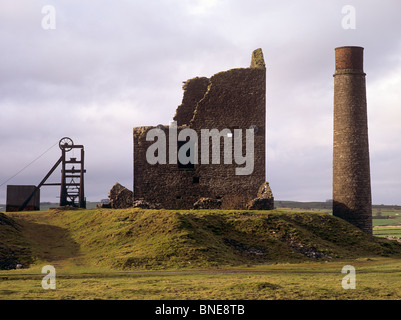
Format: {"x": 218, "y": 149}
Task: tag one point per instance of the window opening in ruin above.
{"x": 195, "y": 180}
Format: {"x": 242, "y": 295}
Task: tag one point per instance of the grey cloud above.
{"x": 111, "y": 66}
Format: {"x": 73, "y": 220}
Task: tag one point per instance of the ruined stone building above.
{"x": 352, "y": 199}
{"x": 229, "y": 102}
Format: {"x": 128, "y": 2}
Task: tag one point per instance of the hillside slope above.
{"x": 156, "y": 239}
{"x": 14, "y": 248}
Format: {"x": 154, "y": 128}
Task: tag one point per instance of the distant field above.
{"x": 387, "y": 231}
{"x": 47, "y": 205}
{"x": 326, "y": 207}
{"x": 389, "y": 225}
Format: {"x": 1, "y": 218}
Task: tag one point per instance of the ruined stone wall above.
{"x": 233, "y": 99}
{"x": 351, "y": 168}
{"x": 167, "y": 184}
{"x": 194, "y": 90}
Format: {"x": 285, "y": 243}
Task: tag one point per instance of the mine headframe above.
{"x": 72, "y": 176}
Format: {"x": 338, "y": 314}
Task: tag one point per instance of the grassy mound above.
{"x": 14, "y": 248}
{"x": 157, "y": 239}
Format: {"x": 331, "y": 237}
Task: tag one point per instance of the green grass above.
{"x": 376, "y": 279}
{"x": 388, "y": 231}
{"x": 194, "y": 254}
{"x": 14, "y": 248}
{"x": 165, "y": 239}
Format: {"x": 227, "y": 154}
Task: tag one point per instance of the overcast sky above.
{"x": 109, "y": 66}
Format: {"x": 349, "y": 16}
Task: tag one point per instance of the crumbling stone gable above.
{"x": 233, "y": 99}
{"x": 194, "y": 90}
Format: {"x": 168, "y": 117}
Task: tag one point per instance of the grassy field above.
{"x": 203, "y": 254}
{"x": 387, "y": 222}
{"x": 375, "y": 279}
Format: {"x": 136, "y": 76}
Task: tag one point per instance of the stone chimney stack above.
{"x": 352, "y": 200}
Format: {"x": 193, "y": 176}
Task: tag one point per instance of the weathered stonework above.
{"x": 233, "y": 99}
{"x": 140, "y": 203}
{"x": 351, "y": 169}
{"x": 264, "y": 200}
{"x": 207, "y": 203}
{"x": 194, "y": 91}
{"x": 120, "y": 197}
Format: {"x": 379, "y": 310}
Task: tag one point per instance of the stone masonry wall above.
{"x": 194, "y": 90}
{"x": 233, "y": 99}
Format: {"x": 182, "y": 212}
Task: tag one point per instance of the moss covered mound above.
{"x": 158, "y": 239}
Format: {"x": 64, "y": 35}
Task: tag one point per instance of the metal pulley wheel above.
{"x": 66, "y": 144}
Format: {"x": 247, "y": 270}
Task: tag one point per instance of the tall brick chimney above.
{"x": 352, "y": 200}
